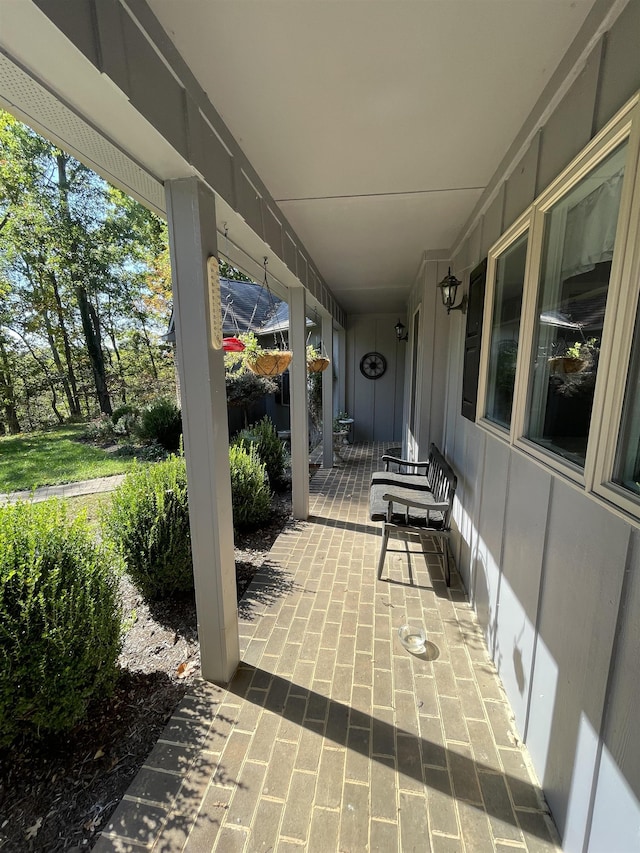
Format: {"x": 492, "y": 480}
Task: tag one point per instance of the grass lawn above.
{"x": 37, "y": 459}
{"x": 92, "y": 504}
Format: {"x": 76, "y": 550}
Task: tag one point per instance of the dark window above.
{"x": 283, "y": 397}
{"x": 472, "y": 340}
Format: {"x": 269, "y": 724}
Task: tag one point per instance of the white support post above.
{"x": 340, "y": 357}
{"x": 192, "y": 239}
{"x": 327, "y": 394}
{"x": 299, "y": 404}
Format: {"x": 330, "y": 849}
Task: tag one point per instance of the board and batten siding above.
{"x": 431, "y": 382}
{"x": 554, "y": 575}
{"x": 377, "y": 403}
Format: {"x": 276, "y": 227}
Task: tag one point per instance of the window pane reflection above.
{"x": 578, "y": 248}
{"x": 505, "y": 331}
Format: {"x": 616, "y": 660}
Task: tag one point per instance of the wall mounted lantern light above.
{"x": 449, "y": 288}
{"x": 401, "y": 334}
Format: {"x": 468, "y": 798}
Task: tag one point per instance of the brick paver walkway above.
{"x": 332, "y": 737}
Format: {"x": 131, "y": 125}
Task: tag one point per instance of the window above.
{"x": 579, "y": 234}
{"x": 473, "y": 340}
{"x": 283, "y": 394}
{"x": 560, "y": 371}
{"x": 627, "y": 465}
{"x": 505, "y": 331}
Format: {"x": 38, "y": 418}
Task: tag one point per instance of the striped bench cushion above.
{"x": 406, "y": 486}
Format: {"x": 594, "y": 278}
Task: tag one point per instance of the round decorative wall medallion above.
{"x": 373, "y": 365}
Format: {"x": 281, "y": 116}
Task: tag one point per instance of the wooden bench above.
{"x": 416, "y": 498}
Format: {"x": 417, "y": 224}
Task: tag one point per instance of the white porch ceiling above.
{"x": 375, "y": 124}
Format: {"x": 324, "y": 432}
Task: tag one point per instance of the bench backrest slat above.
{"x": 442, "y": 481}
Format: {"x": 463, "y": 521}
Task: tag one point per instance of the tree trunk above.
{"x": 27, "y": 404}
{"x": 54, "y": 404}
{"x": 87, "y": 403}
{"x": 74, "y": 400}
{"x": 91, "y": 329}
{"x": 154, "y": 369}
{"x": 58, "y": 363}
{"x": 43, "y": 367}
{"x": 36, "y": 273}
{"x": 114, "y": 343}
{"x": 90, "y": 324}
{"x": 7, "y": 392}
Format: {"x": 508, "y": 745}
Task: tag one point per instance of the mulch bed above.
{"x": 58, "y": 793}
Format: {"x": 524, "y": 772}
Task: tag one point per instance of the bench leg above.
{"x": 383, "y": 551}
{"x": 446, "y": 561}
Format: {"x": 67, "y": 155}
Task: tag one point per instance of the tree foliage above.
{"x": 85, "y": 289}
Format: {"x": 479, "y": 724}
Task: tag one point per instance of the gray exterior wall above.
{"x": 376, "y": 402}
{"x": 432, "y": 359}
{"x": 554, "y": 576}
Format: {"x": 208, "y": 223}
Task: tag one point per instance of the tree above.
{"x": 232, "y": 273}
{"x": 87, "y": 282}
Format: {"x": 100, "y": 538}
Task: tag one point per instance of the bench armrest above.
{"x": 407, "y": 462}
{"x": 430, "y": 506}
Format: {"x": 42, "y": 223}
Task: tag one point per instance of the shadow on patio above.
{"x": 331, "y": 736}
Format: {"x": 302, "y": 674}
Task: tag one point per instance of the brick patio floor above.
{"x": 331, "y": 736}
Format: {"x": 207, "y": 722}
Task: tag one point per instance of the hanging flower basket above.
{"x": 316, "y": 365}
{"x": 270, "y": 363}
{"x": 565, "y": 364}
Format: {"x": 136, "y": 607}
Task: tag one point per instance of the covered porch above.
{"x": 331, "y": 736}
{"x": 365, "y": 149}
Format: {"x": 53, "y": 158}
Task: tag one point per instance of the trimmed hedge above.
{"x": 250, "y": 494}
{"x": 148, "y": 518}
{"x": 148, "y": 521}
{"x": 60, "y": 620}
{"x": 270, "y": 449}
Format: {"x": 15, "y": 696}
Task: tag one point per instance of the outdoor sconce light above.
{"x": 449, "y": 287}
{"x": 401, "y": 334}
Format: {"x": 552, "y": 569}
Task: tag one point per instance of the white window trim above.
{"x": 622, "y": 305}
{"x": 619, "y": 355}
{"x": 519, "y": 227}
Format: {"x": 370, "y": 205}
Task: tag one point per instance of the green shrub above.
{"x": 161, "y": 421}
{"x": 250, "y": 495}
{"x": 148, "y": 521}
{"x": 102, "y": 429}
{"x": 245, "y": 387}
{"x": 270, "y": 449}
{"x": 60, "y": 620}
{"x": 121, "y": 411}
{"x": 151, "y": 452}
{"x": 125, "y": 419}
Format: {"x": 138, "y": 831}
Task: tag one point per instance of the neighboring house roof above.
{"x": 246, "y": 307}
{"x": 279, "y": 321}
